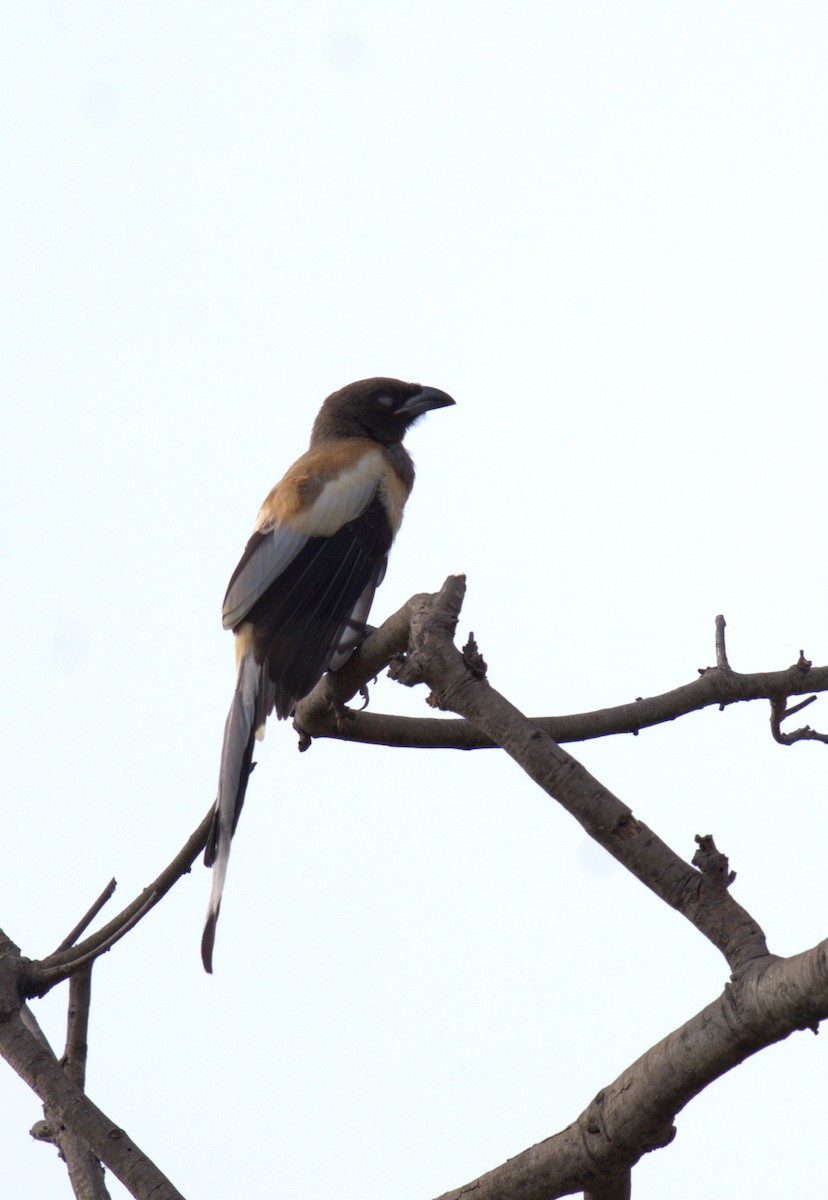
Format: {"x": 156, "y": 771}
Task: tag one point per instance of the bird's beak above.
{"x": 423, "y": 401}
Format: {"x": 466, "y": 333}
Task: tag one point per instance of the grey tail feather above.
{"x": 236, "y": 765}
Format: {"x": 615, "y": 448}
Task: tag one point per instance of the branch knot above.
{"x": 713, "y": 865}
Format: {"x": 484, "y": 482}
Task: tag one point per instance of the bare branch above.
{"x": 768, "y": 998}
{"x": 457, "y": 685}
{"x": 43, "y": 975}
{"x": 712, "y": 864}
{"x": 88, "y": 917}
{"x": 323, "y": 712}
{"x": 614, "y": 1186}
{"x": 69, "y": 1105}
{"x": 779, "y": 711}
{"x": 635, "y": 1114}
{"x": 30, "y": 1021}
{"x": 85, "y": 1171}
{"x": 77, "y": 1024}
{"x": 721, "y": 651}
{"x": 73, "y": 1123}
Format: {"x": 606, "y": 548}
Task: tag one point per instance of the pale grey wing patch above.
{"x": 265, "y": 558}
{"x": 354, "y": 630}
{"x": 342, "y": 499}
{"x": 273, "y": 548}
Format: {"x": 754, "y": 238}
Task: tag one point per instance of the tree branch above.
{"x": 88, "y": 917}
{"x": 85, "y": 1171}
{"x": 81, "y": 1131}
{"x": 635, "y": 1113}
{"x": 721, "y": 649}
{"x": 779, "y": 711}
{"x": 43, "y": 975}
{"x": 616, "y": 1185}
{"x": 766, "y": 1001}
{"x": 458, "y": 683}
{"x": 323, "y": 712}
{"x": 40, "y": 1069}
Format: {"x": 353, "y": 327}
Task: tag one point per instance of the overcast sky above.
{"x": 602, "y": 228}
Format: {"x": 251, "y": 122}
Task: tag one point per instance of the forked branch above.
{"x": 767, "y": 999}
{"x": 84, "y": 1135}
{"x": 323, "y": 712}
{"x": 42, "y": 975}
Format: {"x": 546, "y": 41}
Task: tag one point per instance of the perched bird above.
{"x": 299, "y": 598}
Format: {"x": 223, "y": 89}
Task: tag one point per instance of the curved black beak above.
{"x": 424, "y": 401}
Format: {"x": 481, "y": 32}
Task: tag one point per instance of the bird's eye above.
{"x": 384, "y": 400}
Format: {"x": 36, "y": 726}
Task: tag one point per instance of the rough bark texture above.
{"x": 85, "y": 1136}
{"x": 322, "y": 713}
{"x": 766, "y": 1000}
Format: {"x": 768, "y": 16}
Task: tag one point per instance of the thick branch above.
{"x": 769, "y": 997}
{"x": 66, "y": 1102}
{"x": 458, "y": 683}
{"x": 83, "y": 1133}
{"x": 85, "y": 1171}
{"x": 616, "y": 1185}
{"x": 636, "y": 1112}
{"x": 73, "y": 1122}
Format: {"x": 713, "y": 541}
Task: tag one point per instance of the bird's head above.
{"x": 380, "y": 409}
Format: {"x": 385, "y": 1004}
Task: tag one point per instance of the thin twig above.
{"x": 50, "y": 972}
{"x": 721, "y": 651}
{"x": 87, "y": 919}
{"x": 43, "y": 975}
{"x": 795, "y": 708}
{"x": 779, "y": 711}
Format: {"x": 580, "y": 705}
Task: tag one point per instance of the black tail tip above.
{"x": 207, "y": 940}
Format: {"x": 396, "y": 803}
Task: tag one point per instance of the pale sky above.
{"x": 602, "y": 228}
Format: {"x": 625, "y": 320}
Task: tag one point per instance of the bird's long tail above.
{"x": 236, "y": 765}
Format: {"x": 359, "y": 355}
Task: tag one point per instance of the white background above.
{"x": 602, "y": 228}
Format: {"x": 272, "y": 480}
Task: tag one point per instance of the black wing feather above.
{"x": 300, "y": 619}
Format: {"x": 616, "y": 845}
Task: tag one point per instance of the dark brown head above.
{"x": 380, "y": 409}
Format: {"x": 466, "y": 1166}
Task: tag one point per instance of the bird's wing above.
{"x": 303, "y": 506}
{"x": 298, "y": 603}
{"x": 354, "y": 630}
{"x": 313, "y": 613}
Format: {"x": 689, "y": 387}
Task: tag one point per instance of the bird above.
{"x": 299, "y": 598}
